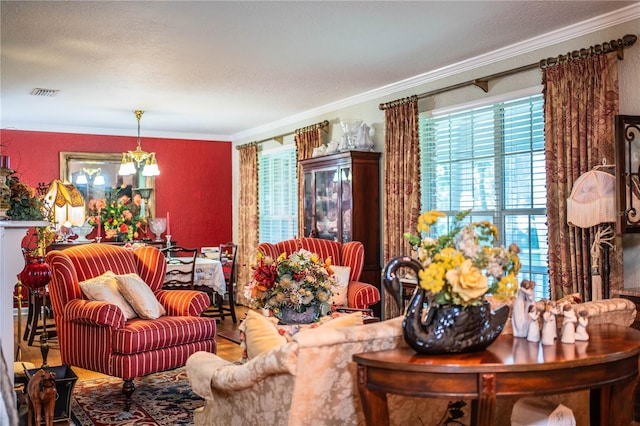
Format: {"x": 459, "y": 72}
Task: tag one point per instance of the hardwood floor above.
{"x": 226, "y": 349}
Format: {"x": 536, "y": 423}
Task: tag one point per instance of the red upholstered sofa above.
{"x": 359, "y": 295}
{"x": 95, "y": 335}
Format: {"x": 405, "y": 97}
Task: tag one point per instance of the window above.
{"x": 277, "y": 194}
{"x": 491, "y": 160}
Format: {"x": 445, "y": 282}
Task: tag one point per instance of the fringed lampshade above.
{"x": 592, "y": 200}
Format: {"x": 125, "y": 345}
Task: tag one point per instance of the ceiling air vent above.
{"x": 44, "y": 92}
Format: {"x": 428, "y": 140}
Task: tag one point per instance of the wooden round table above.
{"x": 607, "y": 365}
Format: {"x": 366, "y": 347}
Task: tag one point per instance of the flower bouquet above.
{"x": 119, "y": 218}
{"x": 460, "y": 267}
{"x": 449, "y": 311}
{"x": 299, "y": 283}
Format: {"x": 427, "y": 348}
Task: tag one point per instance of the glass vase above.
{"x": 36, "y": 273}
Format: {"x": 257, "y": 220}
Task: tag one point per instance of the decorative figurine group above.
{"x": 526, "y": 313}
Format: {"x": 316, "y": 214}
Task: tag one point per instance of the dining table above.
{"x": 208, "y": 273}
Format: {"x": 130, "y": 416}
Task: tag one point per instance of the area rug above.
{"x": 159, "y": 399}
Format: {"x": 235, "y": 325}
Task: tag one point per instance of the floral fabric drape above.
{"x": 247, "y": 218}
{"x": 581, "y": 100}
{"x": 401, "y": 184}
{"x": 305, "y": 143}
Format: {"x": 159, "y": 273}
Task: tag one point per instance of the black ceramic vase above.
{"x": 430, "y": 328}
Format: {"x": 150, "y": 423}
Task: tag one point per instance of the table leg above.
{"x": 613, "y": 404}
{"x": 374, "y": 404}
{"x": 483, "y": 410}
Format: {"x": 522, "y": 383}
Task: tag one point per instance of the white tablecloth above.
{"x": 208, "y": 273}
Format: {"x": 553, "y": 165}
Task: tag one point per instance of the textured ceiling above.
{"x": 215, "y": 70}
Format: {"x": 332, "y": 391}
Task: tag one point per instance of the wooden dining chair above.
{"x": 181, "y": 268}
{"x": 226, "y": 304}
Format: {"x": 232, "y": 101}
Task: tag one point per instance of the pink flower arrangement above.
{"x": 117, "y": 217}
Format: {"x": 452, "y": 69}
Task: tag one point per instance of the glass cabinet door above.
{"x": 307, "y": 207}
{"x": 345, "y": 203}
{"x": 326, "y": 192}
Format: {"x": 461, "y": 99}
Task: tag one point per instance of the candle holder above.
{"x": 168, "y": 251}
{"x": 98, "y": 239}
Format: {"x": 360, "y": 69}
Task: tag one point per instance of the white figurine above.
{"x": 581, "y": 329}
{"x": 520, "y": 309}
{"x": 569, "y": 324}
{"x": 549, "y": 331}
{"x": 533, "y": 335}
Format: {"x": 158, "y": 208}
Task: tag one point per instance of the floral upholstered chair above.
{"x": 359, "y": 295}
{"x": 147, "y": 331}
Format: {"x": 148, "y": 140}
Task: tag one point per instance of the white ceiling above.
{"x": 223, "y": 70}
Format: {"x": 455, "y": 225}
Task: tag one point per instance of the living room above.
{"x": 200, "y": 173}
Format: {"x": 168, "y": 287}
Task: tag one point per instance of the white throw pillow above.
{"x": 339, "y": 290}
{"x": 140, "y": 296}
{"x": 105, "y": 289}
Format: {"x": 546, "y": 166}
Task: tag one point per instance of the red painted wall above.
{"x": 194, "y": 184}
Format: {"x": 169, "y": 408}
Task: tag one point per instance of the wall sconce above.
{"x": 131, "y": 160}
{"x": 627, "y": 151}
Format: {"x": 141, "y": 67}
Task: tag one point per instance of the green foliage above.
{"x": 24, "y": 204}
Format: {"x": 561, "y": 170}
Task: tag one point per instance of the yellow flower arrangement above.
{"x": 460, "y": 267}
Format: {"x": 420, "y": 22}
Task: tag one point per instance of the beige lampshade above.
{"x": 592, "y": 200}
{"x": 66, "y": 202}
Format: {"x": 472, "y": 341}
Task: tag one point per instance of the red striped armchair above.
{"x": 96, "y": 336}
{"x": 359, "y": 295}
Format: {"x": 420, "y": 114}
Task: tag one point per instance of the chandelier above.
{"x": 132, "y": 160}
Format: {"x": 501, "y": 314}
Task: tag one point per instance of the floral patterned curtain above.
{"x": 306, "y": 141}
{"x": 401, "y": 184}
{"x": 581, "y": 100}
{"x": 247, "y": 218}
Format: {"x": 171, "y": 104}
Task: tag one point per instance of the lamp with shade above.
{"x": 66, "y": 204}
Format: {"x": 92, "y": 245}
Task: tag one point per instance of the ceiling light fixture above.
{"x": 131, "y": 160}
{"x": 93, "y": 175}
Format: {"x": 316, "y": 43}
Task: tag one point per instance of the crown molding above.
{"x": 30, "y": 127}
{"x": 570, "y": 32}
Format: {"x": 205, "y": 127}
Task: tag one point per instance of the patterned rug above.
{"x": 159, "y": 399}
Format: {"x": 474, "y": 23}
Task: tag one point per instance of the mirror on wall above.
{"x": 96, "y": 176}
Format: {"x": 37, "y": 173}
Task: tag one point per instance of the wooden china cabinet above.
{"x": 342, "y": 203}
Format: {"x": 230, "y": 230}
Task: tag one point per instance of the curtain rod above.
{"x": 483, "y": 83}
{"x": 324, "y": 125}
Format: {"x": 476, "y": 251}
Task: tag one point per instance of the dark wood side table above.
{"x": 607, "y": 365}
{"x": 71, "y": 243}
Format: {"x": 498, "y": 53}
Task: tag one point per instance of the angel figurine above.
{"x": 569, "y": 324}
{"x": 533, "y": 334}
{"x": 549, "y": 331}
{"x": 581, "y": 328}
{"x": 520, "y": 309}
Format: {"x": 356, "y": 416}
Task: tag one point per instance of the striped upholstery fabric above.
{"x": 360, "y": 295}
{"x": 94, "y": 334}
